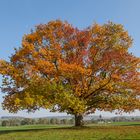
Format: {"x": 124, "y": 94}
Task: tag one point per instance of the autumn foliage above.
{"x": 62, "y": 68}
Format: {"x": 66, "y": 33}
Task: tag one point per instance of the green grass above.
{"x": 117, "y": 124}
{"x": 113, "y": 131}
{"x": 29, "y": 127}
{"x": 126, "y": 123}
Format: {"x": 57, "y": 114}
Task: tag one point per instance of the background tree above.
{"x": 43, "y": 121}
{"x": 62, "y": 68}
{"x": 5, "y": 123}
{"x": 14, "y": 122}
{"x": 64, "y": 121}
{"x": 27, "y": 121}
{"x": 53, "y": 121}
{"x": 71, "y": 121}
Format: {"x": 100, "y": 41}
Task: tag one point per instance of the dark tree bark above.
{"x": 79, "y": 120}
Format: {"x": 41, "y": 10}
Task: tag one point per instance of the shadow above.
{"x": 130, "y": 125}
{"x": 20, "y": 130}
{"x": 33, "y": 129}
{"x": 16, "y": 130}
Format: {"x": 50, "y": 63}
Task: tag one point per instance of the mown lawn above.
{"x": 117, "y": 124}
{"x": 40, "y": 132}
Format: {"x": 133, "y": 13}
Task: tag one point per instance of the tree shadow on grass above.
{"x": 33, "y": 130}
{"x": 2, "y": 132}
{"x": 130, "y": 125}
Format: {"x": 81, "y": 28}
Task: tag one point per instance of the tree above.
{"x": 43, "y": 121}
{"x": 62, "y": 68}
{"x": 100, "y": 117}
{"x": 5, "y": 123}
{"x": 71, "y": 121}
{"x": 14, "y": 122}
{"x": 64, "y": 121}
{"x": 57, "y": 121}
{"x": 53, "y": 121}
{"x": 26, "y": 121}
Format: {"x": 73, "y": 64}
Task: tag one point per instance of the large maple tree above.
{"x": 62, "y": 68}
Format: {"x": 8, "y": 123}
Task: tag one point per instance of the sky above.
{"x": 18, "y": 17}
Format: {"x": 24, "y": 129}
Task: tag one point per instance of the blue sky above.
{"x": 18, "y": 17}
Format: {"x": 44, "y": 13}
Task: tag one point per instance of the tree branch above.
{"x": 100, "y": 88}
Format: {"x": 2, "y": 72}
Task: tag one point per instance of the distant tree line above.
{"x": 30, "y": 121}
{"x": 64, "y": 121}
{"x": 113, "y": 119}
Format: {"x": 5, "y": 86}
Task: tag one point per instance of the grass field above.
{"x": 115, "y": 131}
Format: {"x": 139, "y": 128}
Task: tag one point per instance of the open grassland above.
{"x": 113, "y": 131}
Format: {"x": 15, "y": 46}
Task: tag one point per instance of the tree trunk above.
{"x": 79, "y": 120}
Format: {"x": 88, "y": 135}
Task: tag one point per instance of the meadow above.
{"x": 113, "y": 131}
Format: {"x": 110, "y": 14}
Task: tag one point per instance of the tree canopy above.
{"x": 65, "y": 69}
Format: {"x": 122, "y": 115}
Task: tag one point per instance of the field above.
{"x": 115, "y": 131}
